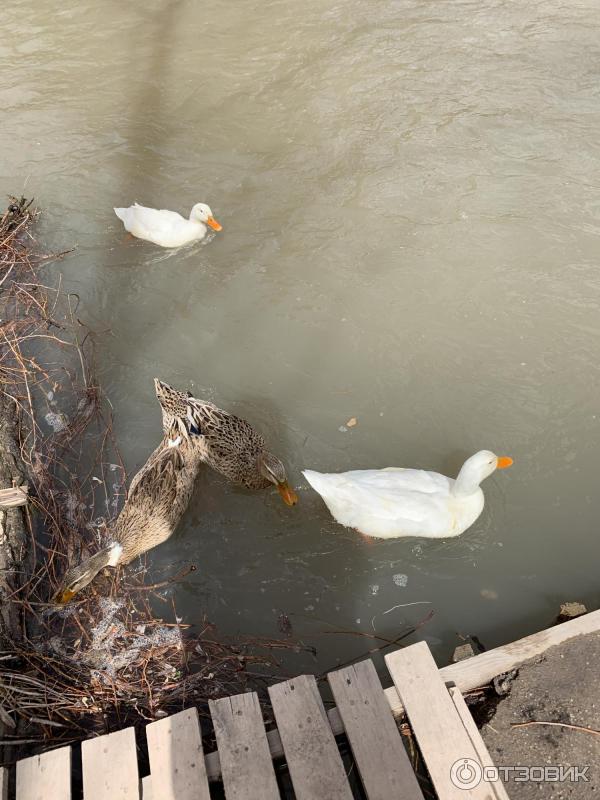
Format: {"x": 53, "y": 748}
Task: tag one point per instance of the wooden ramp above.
{"x": 428, "y": 699}
{"x": 448, "y": 744}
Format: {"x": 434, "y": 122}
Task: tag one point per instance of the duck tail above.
{"x": 171, "y": 400}
{"x": 179, "y": 408}
{"x": 120, "y": 212}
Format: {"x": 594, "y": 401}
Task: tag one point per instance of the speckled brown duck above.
{"x": 158, "y": 496}
{"x": 231, "y": 445}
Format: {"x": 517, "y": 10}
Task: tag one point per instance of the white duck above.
{"x": 393, "y": 502}
{"x": 167, "y": 228}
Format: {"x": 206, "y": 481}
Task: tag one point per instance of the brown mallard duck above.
{"x": 231, "y": 445}
{"x": 158, "y": 496}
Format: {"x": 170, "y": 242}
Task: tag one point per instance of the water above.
{"x": 410, "y": 200}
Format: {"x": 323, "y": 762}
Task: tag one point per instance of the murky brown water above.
{"x": 410, "y": 197}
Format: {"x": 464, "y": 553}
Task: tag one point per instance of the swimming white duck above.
{"x": 392, "y": 502}
{"x": 167, "y": 228}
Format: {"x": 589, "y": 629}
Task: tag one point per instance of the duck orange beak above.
{"x": 214, "y": 224}
{"x": 288, "y": 495}
{"x": 62, "y": 598}
{"x": 504, "y": 462}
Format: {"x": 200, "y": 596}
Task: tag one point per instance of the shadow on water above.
{"x": 149, "y": 129}
{"x": 146, "y": 131}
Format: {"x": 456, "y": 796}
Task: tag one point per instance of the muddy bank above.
{"x": 15, "y": 565}
{"x": 13, "y": 552}
{"x": 13, "y": 532}
{"x": 14, "y": 536}
{"x": 562, "y": 686}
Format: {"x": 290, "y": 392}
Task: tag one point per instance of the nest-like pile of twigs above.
{"x": 106, "y": 660}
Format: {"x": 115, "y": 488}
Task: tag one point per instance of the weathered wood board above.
{"x": 3, "y": 783}
{"x": 438, "y": 727}
{"x": 310, "y": 748}
{"x": 484, "y": 756}
{"x": 45, "y": 777}
{"x": 246, "y": 763}
{"x": 110, "y": 767}
{"x": 177, "y": 768}
{"x": 481, "y": 669}
{"x": 382, "y": 761}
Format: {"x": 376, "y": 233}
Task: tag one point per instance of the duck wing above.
{"x": 158, "y": 477}
{"x": 389, "y": 502}
{"x": 150, "y": 222}
{"x": 223, "y": 431}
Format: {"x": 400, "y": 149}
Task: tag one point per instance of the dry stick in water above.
{"x": 388, "y": 642}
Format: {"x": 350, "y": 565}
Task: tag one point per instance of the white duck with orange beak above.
{"x": 167, "y": 228}
{"x": 393, "y": 502}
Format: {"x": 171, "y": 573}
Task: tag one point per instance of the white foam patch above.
{"x": 116, "y": 551}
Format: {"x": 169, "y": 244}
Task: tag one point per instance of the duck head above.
{"x": 77, "y": 578}
{"x": 202, "y": 213}
{"x": 173, "y": 403}
{"x": 273, "y": 470}
{"x": 476, "y": 469}
{"x": 181, "y": 415}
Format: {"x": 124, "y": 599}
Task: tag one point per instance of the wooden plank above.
{"x": 481, "y": 669}
{"x": 17, "y": 496}
{"x": 213, "y": 763}
{"x": 310, "y": 749}
{"x": 482, "y": 752}
{"x": 382, "y": 761}
{"x": 147, "y": 788}
{"x": 176, "y": 758}
{"x": 110, "y": 767}
{"x": 437, "y": 726}
{"x": 3, "y": 783}
{"x": 467, "y": 675}
{"x": 45, "y": 777}
{"x": 246, "y": 763}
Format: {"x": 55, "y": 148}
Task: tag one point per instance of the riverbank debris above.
{"x": 462, "y": 651}
{"x": 569, "y": 611}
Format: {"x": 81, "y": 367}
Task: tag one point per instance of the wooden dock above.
{"x": 431, "y": 700}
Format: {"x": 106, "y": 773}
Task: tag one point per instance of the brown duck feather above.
{"x": 158, "y": 496}
{"x": 231, "y": 445}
